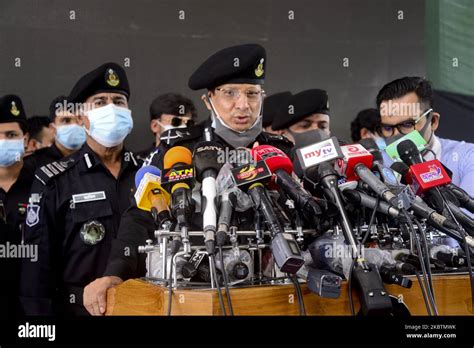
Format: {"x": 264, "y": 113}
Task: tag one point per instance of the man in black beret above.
{"x": 81, "y": 199}
{"x": 233, "y": 78}
{"x": 168, "y": 111}
{"x": 308, "y": 114}
{"x": 275, "y": 106}
{"x": 15, "y": 183}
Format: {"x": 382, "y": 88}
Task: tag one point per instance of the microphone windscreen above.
{"x": 208, "y": 155}
{"x": 177, "y": 154}
{"x": 407, "y": 149}
{"x": 274, "y": 158}
{"x": 142, "y": 171}
{"x": 402, "y": 169}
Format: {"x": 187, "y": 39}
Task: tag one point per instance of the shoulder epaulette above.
{"x": 54, "y": 169}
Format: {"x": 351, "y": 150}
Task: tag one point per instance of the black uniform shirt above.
{"x": 12, "y": 219}
{"x": 44, "y": 156}
{"x": 78, "y": 212}
{"x": 137, "y": 225}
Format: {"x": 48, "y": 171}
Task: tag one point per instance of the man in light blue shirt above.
{"x": 405, "y": 105}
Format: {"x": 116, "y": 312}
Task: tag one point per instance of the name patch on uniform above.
{"x": 88, "y": 197}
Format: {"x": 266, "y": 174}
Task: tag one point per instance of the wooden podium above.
{"x": 138, "y": 297}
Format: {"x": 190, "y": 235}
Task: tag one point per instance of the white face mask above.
{"x": 109, "y": 125}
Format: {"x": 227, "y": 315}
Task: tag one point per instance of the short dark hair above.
{"x": 400, "y": 87}
{"x": 367, "y": 118}
{"x": 173, "y": 104}
{"x": 53, "y": 108}
{"x": 36, "y": 125}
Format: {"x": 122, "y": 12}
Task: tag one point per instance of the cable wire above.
{"x": 226, "y": 283}
{"x": 213, "y": 269}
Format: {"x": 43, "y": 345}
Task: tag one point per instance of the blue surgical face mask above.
{"x": 71, "y": 136}
{"x": 109, "y": 125}
{"x": 11, "y": 151}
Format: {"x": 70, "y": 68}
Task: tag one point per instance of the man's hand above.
{"x": 95, "y": 294}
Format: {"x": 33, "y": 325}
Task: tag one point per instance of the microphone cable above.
{"x": 213, "y": 269}
{"x": 427, "y": 254}
{"x": 299, "y": 294}
{"x": 423, "y": 266}
{"x": 364, "y": 239}
{"x": 467, "y": 251}
{"x": 226, "y": 282}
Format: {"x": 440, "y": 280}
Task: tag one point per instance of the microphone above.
{"x": 312, "y": 155}
{"x": 466, "y": 221}
{"x": 386, "y": 174}
{"x": 206, "y": 154}
{"x": 150, "y": 196}
{"x": 447, "y": 255}
{"x": 467, "y": 202}
{"x": 327, "y": 178}
{"x": 177, "y": 161}
{"x": 413, "y": 136}
{"x": 367, "y": 201}
{"x": 355, "y": 165}
{"x": 392, "y": 276}
{"x": 251, "y": 177}
{"x": 227, "y": 202}
{"x": 281, "y": 166}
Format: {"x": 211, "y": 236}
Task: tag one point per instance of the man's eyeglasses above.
{"x": 234, "y": 94}
{"x": 387, "y": 130}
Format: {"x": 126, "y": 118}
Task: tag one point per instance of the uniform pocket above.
{"x": 87, "y": 211}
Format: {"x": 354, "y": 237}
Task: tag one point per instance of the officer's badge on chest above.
{"x": 32, "y": 214}
{"x": 92, "y": 232}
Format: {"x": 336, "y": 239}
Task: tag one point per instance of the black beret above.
{"x": 236, "y": 64}
{"x": 54, "y": 107}
{"x": 109, "y": 77}
{"x": 305, "y": 103}
{"x": 275, "y": 106}
{"x": 11, "y": 109}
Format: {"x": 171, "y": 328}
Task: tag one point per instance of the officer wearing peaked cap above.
{"x": 233, "y": 78}
{"x": 15, "y": 182}
{"x": 80, "y": 199}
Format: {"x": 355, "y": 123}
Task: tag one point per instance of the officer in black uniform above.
{"x": 15, "y": 184}
{"x": 69, "y": 135}
{"x": 307, "y": 117}
{"x": 76, "y": 215}
{"x": 235, "y": 99}
{"x": 275, "y": 106}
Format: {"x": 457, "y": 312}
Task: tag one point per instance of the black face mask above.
{"x": 308, "y": 138}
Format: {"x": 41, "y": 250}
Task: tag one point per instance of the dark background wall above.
{"x": 306, "y": 52}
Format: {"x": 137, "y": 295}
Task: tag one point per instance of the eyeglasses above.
{"x": 387, "y": 130}
{"x": 177, "y": 121}
{"x": 233, "y": 95}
